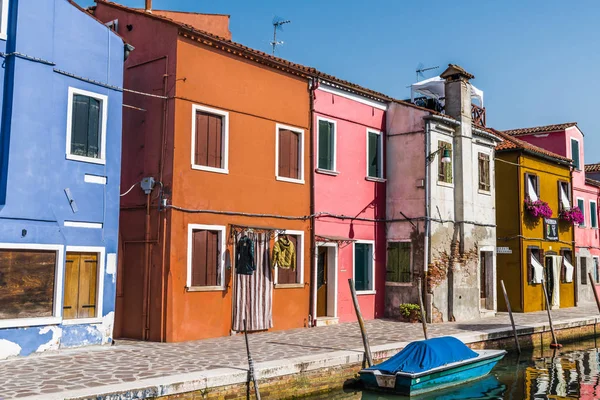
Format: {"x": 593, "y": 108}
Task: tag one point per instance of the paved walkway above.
{"x": 135, "y": 365}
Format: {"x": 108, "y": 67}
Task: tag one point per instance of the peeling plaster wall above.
{"x": 38, "y": 172}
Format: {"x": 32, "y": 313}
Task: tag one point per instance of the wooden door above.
{"x": 322, "y": 282}
{"x": 81, "y": 279}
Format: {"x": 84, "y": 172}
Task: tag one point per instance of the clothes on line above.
{"x": 284, "y": 253}
{"x": 244, "y": 256}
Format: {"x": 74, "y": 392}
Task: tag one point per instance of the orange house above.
{"x": 223, "y": 132}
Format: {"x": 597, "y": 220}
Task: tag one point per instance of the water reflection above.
{"x": 572, "y": 372}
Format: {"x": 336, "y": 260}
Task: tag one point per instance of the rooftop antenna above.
{"x": 421, "y": 68}
{"x": 278, "y": 26}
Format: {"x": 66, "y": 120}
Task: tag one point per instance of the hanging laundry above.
{"x": 284, "y": 253}
{"x": 244, "y": 258}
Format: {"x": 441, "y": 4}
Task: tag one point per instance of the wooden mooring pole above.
{"x": 423, "y": 314}
{"x": 361, "y": 323}
{"x": 251, "y": 377}
{"x": 554, "y": 343}
{"x": 593, "y": 285}
{"x": 512, "y": 320}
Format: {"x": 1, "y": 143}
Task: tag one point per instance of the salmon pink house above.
{"x": 349, "y": 198}
{"x": 567, "y": 140}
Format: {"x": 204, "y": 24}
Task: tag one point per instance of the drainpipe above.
{"x": 426, "y": 250}
{"x": 313, "y": 84}
{"x": 146, "y": 287}
{"x": 7, "y": 96}
{"x": 520, "y": 197}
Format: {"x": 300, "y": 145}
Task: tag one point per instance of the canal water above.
{"x": 572, "y": 372}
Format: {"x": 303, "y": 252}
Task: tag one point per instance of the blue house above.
{"x": 60, "y": 160}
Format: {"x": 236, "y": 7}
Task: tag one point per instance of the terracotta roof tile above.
{"x": 538, "y": 129}
{"x": 592, "y": 167}
{"x": 512, "y": 143}
{"x": 239, "y": 49}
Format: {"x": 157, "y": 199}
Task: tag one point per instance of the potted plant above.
{"x": 410, "y": 312}
{"x": 572, "y": 215}
{"x": 538, "y": 208}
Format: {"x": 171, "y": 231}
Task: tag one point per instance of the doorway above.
{"x": 322, "y": 282}
{"x": 486, "y": 280}
{"x": 326, "y": 281}
{"x": 553, "y": 266}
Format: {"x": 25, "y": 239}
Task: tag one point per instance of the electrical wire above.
{"x": 130, "y": 189}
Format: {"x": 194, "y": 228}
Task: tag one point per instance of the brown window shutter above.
{"x": 560, "y": 207}
{"x": 215, "y": 141}
{"x": 583, "y": 267}
{"x": 529, "y": 266}
{"x": 201, "y": 139}
{"x": 88, "y": 277}
{"x": 284, "y": 159}
{"x": 212, "y": 258}
{"x": 199, "y": 258}
{"x": 563, "y": 268}
{"x": 294, "y": 146}
{"x": 70, "y": 307}
{"x": 537, "y": 186}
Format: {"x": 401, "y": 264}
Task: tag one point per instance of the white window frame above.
{"x": 390, "y": 283}
{"x": 372, "y": 243}
{"x": 299, "y": 261}
{"x": 582, "y": 210}
{"x": 224, "y": 138}
{"x": 334, "y": 122}
{"x": 300, "y": 156}
{"x": 380, "y": 133}
{"x": 590, "y": 209}
{"x": 578, "y": 168}
{"x": 222, "y": 248}
{"x": 4, "y": 20}
{"x": 101, "y": 252}
{"x": 58, "y": 286}
{"x": 442, "y": 183}
{"x": 596, "y": 264}
{"x": 104, "y": 99}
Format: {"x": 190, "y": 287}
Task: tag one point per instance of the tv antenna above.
{"x": 421, "y": 68}
{"x": 278, "y": 26}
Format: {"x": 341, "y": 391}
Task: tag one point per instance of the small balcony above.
{"x": 477, "y": 112}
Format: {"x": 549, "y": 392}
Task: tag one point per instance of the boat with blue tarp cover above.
{"x": 428, "y": 365}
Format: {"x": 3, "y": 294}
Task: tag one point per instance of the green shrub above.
{"x": 409, "y": 310}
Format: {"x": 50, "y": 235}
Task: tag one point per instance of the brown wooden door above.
{"x": 81, "y": 279}
{"x": 322, "y": 282}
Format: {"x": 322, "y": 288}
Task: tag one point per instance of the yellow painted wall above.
{"x": 510, "y": 181}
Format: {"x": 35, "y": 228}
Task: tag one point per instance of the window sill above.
{"x": 210, "y": 169}
{"x": 484, "y": 192}
{"x": 205, "y": 289}
{"x": 372, "y": 179}
{"x": 365, "y": 292}
{"x": 289, "y": 286}
{"x": 82, "y": 321}
{"x": 25, "y": 322}
{"x": 290, "y": 180}
{"x": 3, "y": 36}
{"x": 326, "y": 172}
{"x": 445, "y": 184}
{"x": 402, "y": 284}
{"x": 89, "y": 160}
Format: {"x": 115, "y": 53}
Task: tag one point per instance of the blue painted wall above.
{"x": 38, "y": 171}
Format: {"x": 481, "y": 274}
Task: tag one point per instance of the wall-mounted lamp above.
{"x": 445, "y": 155}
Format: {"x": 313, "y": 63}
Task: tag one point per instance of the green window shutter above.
{"x": 404, "y": 262}
{"x": 392, "y": 263}
{"x": 593, "y": 216}
{"x": 362, "y": 266}
{"x": 325, "y": 146}
{"x": 374, "y": 155}
{"x": 581, "y": 205}
{"x": 575, "y": 153}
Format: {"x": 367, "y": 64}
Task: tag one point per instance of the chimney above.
{"x": 457, "y": 91}
{"x": 149, "y": 6}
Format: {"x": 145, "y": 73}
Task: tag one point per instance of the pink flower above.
{"x": 538, "y": 208}
{"x": 573, "y": 215}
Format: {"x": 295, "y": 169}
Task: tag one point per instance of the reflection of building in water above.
{"x": 573, "y": 375}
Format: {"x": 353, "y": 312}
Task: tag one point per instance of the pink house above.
{"x": 349, "y": 148}
{"x": 567, "y": 140}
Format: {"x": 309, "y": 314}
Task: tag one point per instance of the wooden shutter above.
{"x": 444, "y": 169}
{"x": 404, "y": 262}
{"x": 583, "y": 267}
{"x": 392, "y": 270}
{"x": 563, "y": 268}
{"x": 575, "y": 153}
{"x": 529, "y": 265}
{"x": 484, "y": 172}
{"x": 289, "y": 146}
{"x": 205, "y": 258}
{"x": 360, "y": 267}
{"x": 88, "y": 277}
{"x": 294, "y": 155}
{"x": 537, "y": 186}
{"x": 209, "y": 140}
{"x": 325, "y": 145}
{"x": 71, "y": 296}
{"x": 290, "y": 276}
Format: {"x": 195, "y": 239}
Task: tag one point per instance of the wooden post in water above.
{"x": 252, "y": 377}
{"x": 554, "y": 343}
{"x": 361, "y": 323}
{"x": 593, "y": 285}
{"x": 512, "y": 321}
{"x": 423, "y": 314}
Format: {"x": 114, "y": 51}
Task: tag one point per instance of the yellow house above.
{"x": 533, "y": 248}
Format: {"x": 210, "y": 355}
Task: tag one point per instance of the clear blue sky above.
{"x": 536, "y": 61}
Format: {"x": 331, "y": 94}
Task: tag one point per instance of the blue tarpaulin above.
{"x": 425, "y": 355}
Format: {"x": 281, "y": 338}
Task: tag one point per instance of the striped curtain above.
{"x": 254, "y": 293}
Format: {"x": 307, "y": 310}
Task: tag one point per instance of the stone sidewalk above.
{"x": 148, "y": 369}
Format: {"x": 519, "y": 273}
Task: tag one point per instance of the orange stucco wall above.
{"x": 256, "y": 98}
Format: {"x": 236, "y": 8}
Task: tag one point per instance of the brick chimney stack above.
{"x": 149, "y": 6}
{"x": 457, "y": 92}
